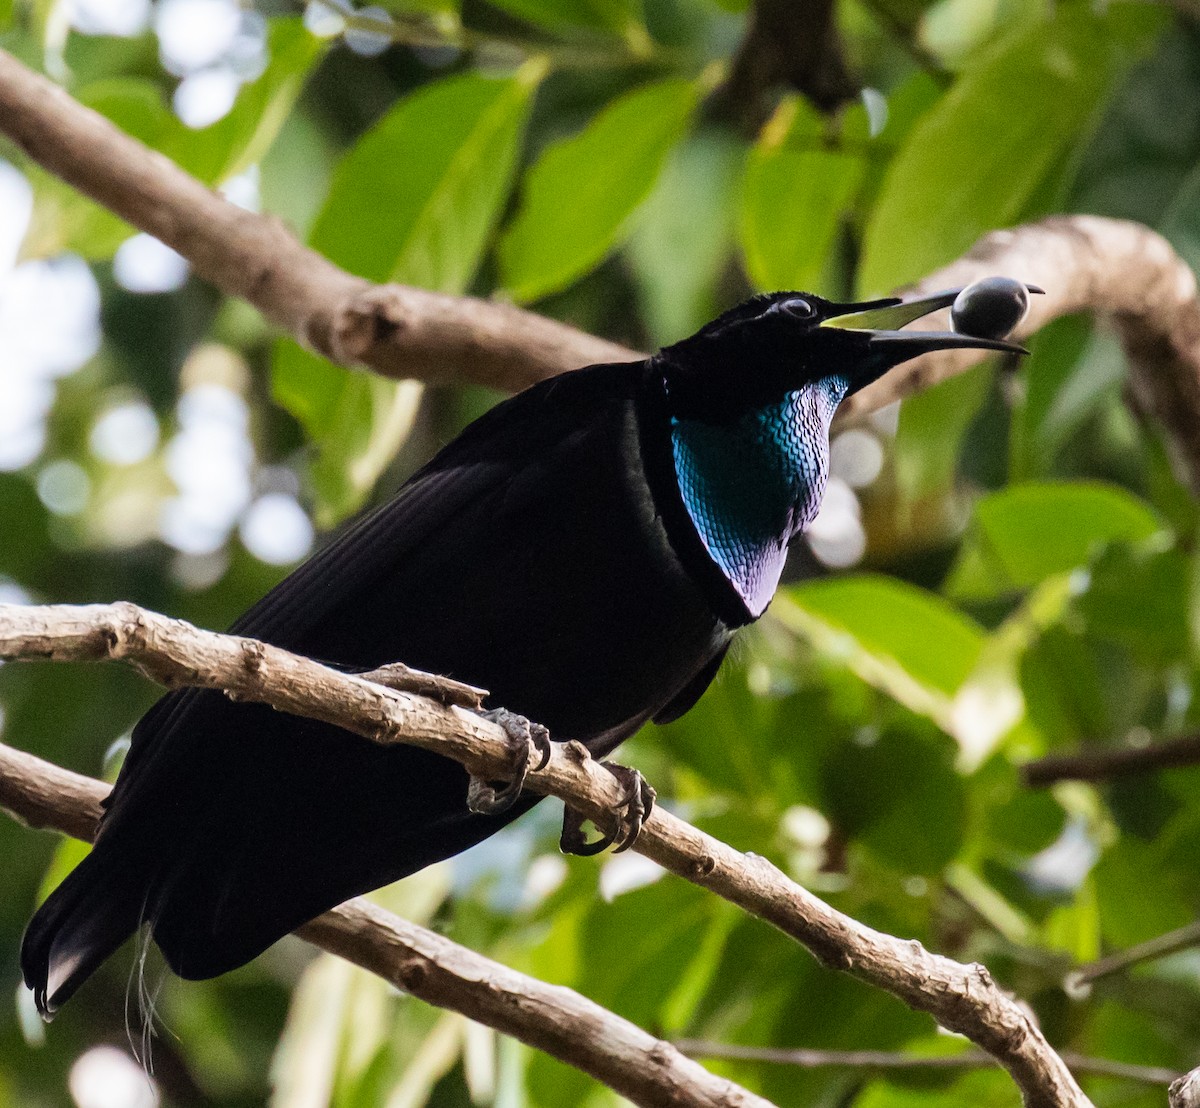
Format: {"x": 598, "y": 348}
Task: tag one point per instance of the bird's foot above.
{"x": 629, "y": 814}
{"x": 489, "y": 798}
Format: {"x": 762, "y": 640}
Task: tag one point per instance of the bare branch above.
{"x": 1171, "y": 942}
{"x": 1185, "y": 1093}
{"x": 395, "y": 329}
{"x": 554, "y": 1019}
{"x": 1107, "y": 762}
{"x": 961, "y": 998}
{"x": 1120, "y": 270}
{"x": 785, "y": 43}
{"x": 895, "y": 1060}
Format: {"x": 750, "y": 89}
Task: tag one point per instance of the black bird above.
{"x": 585, "y": 551}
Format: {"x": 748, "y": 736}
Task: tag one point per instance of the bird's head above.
{"x": 780, "y": 343}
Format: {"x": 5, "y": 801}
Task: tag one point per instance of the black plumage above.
{"x": 558, "y": 553}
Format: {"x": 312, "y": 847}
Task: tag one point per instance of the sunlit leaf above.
{"x": 982, "y": 155}
{"x": 414, "y": 201}
{"x": 799, "y": 185}
{"x": 683, "y": 235}
{"x": 908, "y": 642}
{"x": 579, "y": 196}
{"x": 1025, "y": 533}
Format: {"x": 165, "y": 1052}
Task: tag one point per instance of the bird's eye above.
{"x": 798, "y": 307}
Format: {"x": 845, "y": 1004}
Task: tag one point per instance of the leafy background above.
{"x": 1005, "y": 567}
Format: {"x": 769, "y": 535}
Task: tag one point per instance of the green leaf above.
{"x": 1070, "y": 373}
{"x": 414, "y": 201}
{"x": 581, "y": 193}
{"x": 901, "y": 639}
{"x": 1026, "y": 533}
{"x": 798, "y": 188}
{"x": 684, "y": 234}
{"x": 984, "y": 154}
{"x": 1141, "y": 597}
{"x": 878, "y": 791}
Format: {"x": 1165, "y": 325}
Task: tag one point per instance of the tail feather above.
{"x": 82, "y": 922}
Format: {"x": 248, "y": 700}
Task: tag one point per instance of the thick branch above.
{"x": 1113, "y": 268}
{"x": 961, "y": 998}
{"x": 395, "y": 329}
{"x": 554, "y": 1019}
{"x": 1185, "y": 1093}
{"x": 1107, "y": 762}
{"x": 1121, "y": 271}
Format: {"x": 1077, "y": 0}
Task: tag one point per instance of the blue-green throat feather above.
{"x": 751, "y": 486}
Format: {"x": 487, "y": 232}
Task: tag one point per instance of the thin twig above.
{"x": 962, "y": 998}
{"x": 554, "y": 1019}
{"x": 1106, "y": 763}
{"x": 895, "y": 1060}
{"x": 1160, "y": 946}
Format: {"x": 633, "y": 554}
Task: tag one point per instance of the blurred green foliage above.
{"x": 1032, "y": 575}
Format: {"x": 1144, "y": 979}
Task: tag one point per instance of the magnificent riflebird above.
{"x": 585, "y": 551}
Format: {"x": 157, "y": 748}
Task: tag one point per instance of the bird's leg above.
{"x": 489, "y": 798}
{"x": 630, "y": 812}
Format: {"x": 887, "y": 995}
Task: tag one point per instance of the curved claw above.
{"x": 630, "y": 814}
{"x": 487, "y": 798}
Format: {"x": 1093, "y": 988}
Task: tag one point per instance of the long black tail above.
{"x": 81, "y": 923}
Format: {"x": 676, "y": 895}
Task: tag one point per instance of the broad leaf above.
{"x": 684, "y": 234}
{"x": 1026, "y": 533}
{"x": 799, "y": 185}
{"x": 985, "y": 152}
{"x": 907, "y": 642}
{"x": 581, "y": 193}
{"x": 414, "y": 201}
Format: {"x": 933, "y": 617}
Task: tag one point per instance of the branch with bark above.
{"x": 1106, "y": 763}
{"x": 962, "y": 998}
{"x": 1122, "y": 271}
{"x": 557, "y": 1020}
{"x": 797, "y": 45}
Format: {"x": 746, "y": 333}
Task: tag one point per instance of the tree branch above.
{"x": 961, "y": 998}
{"x": 554, "y": 1019}
{"x": 785, "y": 43}
{"x": 1185, "y": 1093}
{"x": 1079, "y": 980}
{"x": 1106, "y": 762}
{"x": 1120, "y": 270}
{"x": 897, "y": 1060}
{"x": 397, "y": 330}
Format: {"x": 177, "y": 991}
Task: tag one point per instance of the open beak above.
{"x": 882, "y": 320}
